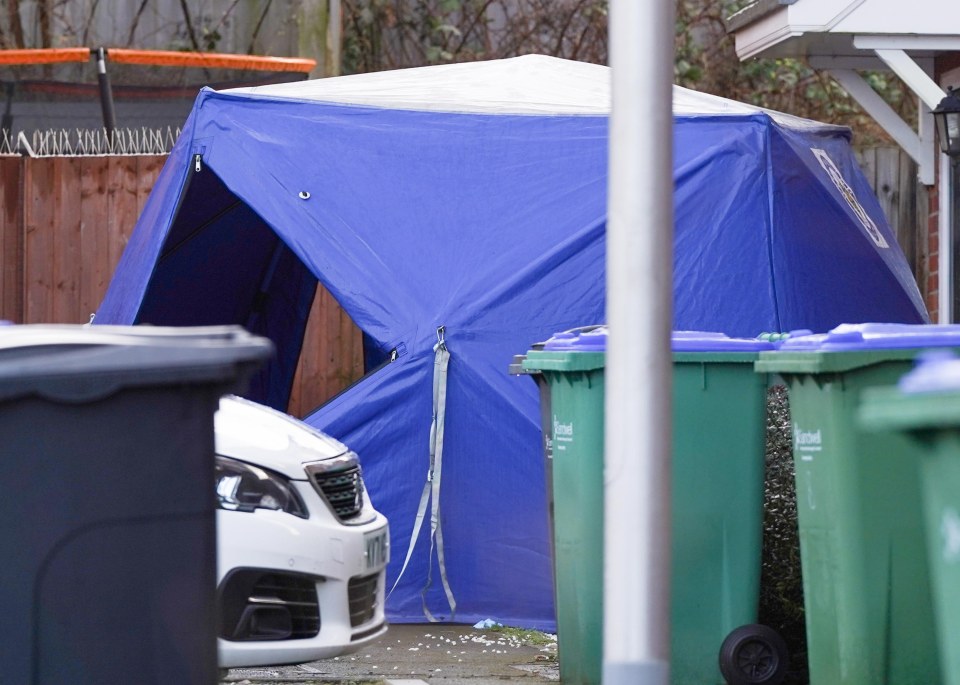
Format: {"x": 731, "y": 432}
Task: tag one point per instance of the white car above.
{"x": 301, "y": 552}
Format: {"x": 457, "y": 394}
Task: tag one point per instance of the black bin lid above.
{"x": 79, "y": 363}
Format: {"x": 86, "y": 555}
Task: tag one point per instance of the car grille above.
{"x": 362, "y": 592}
{"x": 264, "y": 605}
{"x": 340, "y": 484}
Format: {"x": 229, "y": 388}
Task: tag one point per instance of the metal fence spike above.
{"x": 89, "y": 142}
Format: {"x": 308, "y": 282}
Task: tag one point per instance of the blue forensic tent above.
{"x": 472, "y": 197}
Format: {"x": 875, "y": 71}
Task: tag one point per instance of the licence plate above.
{"x": 376, "y": 549}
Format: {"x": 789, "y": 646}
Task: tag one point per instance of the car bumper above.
{"x": 330, "y": 555}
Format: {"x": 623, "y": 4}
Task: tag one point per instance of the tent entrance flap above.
{"x": 222, "y": 264}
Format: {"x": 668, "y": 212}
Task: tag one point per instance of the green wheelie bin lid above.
{"x": 853, "y": 346}
{"x": 925, "y": 398}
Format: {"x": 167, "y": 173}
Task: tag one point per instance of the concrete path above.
{"x": 411, "y": 654}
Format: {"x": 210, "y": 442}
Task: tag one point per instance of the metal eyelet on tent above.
{"x": 304, "y": 195}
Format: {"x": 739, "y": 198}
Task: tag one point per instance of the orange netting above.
{"x": 213, "y": 60}
{"x": 164, "y": 58}
{"x": 44, "y": 56}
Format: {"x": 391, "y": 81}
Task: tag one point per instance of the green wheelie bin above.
{"x": 926, "y": 407}
{"x": 717, "y": 511}
{"x": 869, "y": 610}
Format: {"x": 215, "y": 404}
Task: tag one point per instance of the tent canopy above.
{"x": 473, "y": 197}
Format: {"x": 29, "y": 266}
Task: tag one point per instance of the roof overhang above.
{"x": 844, "y": 37}
{"x": 795, "y": 28}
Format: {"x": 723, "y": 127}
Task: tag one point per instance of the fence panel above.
{"x": 64, "y": 223}
{"x": 65, "y": 233}
{"x": 95, "y": 254}
{"x": 39, "y": 197}
{"x": 332, "y": 357}
{"x": 893, "y": 176}
{"x": 11, "y": 239}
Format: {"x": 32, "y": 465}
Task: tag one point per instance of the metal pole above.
{"x": 6, "y": 122}
{"x": 636, "y": 633}
{"x": 106, "y": 93}
{"x": 945, "y": 225}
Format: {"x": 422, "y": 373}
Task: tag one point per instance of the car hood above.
{"x": 270, "y": 439}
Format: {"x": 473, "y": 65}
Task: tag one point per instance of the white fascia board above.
{"x": 791, "y": 21}
{"x": 886, "y": 41}
{"x": 772, "y": 29}
{"x": 900, "y": 18}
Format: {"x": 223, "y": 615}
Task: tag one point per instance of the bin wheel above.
{"x": 753, "y": 654}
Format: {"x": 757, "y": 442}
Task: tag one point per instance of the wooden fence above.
{"x": 893, "y": 176}
{"x": 64, "y": 222}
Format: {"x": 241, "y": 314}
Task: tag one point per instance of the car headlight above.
{"x": 245, "y": 487}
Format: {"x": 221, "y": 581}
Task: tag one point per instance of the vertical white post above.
{"x": 636, "y": 633}
{"x": 945, "y": 237}
{"x": 947, "y": 209}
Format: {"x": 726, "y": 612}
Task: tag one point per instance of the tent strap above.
{"x": 431, "y": 489}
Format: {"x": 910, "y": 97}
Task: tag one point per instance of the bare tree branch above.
{"x": 190, "y": 33}
{"x": 226, "y": 14}
{"x": 476, "y": 19}
{"x": 43, "y": 18}
{"x": 85, "y": 39}
{"x": 256, "y": 30}
{"x": 16, "y": 27}
{"x": 558, "y": 50}
{"x": 575, "y": 53}
{"x": 136, "y": 21}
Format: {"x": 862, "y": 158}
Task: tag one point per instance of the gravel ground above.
{"x": 443, "y": 654}
{"x": 781, "y": 582}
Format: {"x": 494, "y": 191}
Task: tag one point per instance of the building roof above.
{"x": 754, "y": 12}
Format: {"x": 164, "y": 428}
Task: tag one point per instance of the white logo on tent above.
{"x": 834, "y": 173}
